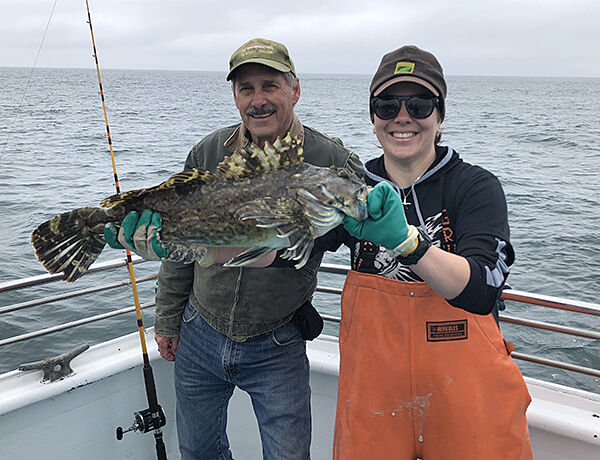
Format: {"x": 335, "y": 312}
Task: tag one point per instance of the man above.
{"x": 228, "y": 327}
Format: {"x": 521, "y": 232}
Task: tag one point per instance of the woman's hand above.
{"x": 386, "y": 224}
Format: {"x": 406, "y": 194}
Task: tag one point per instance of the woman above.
{"x": 424, "y": 370}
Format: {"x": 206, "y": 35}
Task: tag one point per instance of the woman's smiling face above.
{"x": 404, "y": 137}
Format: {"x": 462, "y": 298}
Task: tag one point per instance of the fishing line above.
{"x": 152, "y": 418}
{"x": 28, "y": 81}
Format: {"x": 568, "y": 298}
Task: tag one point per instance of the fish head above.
{"x": 337, "y": 195}
{"x": 348, "y": 193}
{"x": 350, "y": 200}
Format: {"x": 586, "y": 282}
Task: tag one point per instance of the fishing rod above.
{"x": 152, "y": 418}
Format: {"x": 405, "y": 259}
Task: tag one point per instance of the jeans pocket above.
{"x": 287, "y": 334}
{"x": 308, "y": 271}
{"x": 189, "y": 314}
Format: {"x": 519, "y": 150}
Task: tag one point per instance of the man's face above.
{"x": 265, "y": 101}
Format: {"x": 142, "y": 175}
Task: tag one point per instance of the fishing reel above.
{"x": 144, "y": 421}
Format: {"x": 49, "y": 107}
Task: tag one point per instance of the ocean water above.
{"x": 538, "y": 135}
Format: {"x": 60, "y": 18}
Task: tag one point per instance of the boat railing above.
{"x": 586, "y": 308}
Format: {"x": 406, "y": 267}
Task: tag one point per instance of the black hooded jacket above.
{"x": 463, "y": 209}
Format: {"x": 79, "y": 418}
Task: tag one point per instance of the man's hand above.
{"x": 386, "y": 224}
{"x": 138, "y": 235}
{"x": 167, "y": 346}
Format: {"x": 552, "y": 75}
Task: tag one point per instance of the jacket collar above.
{"x": 375, "y": 172}
{"x": 240, "y": 138}
{"x": 375, "y": 169}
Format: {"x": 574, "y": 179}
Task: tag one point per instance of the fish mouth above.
{"x": 357, "y": 209}
{"x": 361, "y": 203}
{"x": 362, "y": 211}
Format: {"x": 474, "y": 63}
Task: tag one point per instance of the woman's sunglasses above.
{"x": 418, "y": 107}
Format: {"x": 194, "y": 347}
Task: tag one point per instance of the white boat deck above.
{"x": 76, "y": 417}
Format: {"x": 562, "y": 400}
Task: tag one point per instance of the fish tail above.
{"x": 71, "y": 242}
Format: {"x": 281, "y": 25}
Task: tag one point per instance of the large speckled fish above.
{"x": 262, "y": 199}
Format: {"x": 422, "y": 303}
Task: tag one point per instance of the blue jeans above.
{"x": 272, "y": 368}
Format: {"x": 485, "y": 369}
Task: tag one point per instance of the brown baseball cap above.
{"x": 410, "y": 64}
{"x": 262, "y": 51}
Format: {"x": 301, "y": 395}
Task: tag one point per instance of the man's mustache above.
{"x": 266, "y": 109}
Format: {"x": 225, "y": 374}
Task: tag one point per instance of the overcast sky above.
{"x": 469, "y": 37}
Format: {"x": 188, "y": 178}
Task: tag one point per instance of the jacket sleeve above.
{"x": 175, "y": 280}
{"x": 322, "y": 150}
{"x": 352, "y": 160}
{"x": 483, "y": 239}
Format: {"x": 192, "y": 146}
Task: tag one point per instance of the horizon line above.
{"x": 299, "y": 73}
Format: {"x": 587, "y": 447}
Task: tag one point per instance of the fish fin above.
{"x": 247, "y": 257}
{"x": 322, "y": 217}
{"x": 70, "y": 242}
{"x": 300, "y": 249}
{"x": 287, "y": 219}
{"x": 251, "y": 159}
{"x": 185, "y": 178}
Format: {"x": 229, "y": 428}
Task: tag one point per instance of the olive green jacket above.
{"x": 243, "y": 302}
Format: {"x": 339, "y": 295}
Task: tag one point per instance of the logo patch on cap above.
{"x": 253, "y": 48}
{"x": 404, "y": 67}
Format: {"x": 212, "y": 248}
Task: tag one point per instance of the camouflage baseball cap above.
{"x": 261, "y": 51}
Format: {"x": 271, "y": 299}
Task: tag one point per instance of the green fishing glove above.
{"x": 386, "y": 224}
{"x": 139, "y": 235}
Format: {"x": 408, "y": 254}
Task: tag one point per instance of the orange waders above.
{"x": 422, "y": 379}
